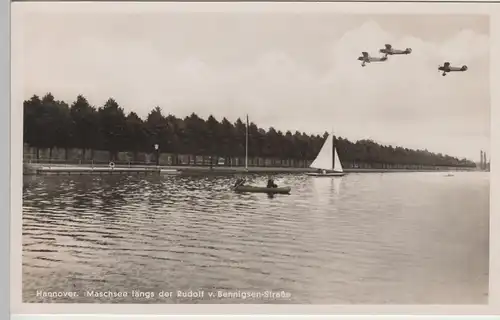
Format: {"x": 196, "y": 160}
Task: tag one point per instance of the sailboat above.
{"x": 327, "y": 161}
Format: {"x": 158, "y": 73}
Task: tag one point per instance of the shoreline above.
{"x": 41, "y": 169}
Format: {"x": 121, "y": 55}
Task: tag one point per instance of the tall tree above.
{"x": 195, "y": 134}
{"x": 32, "y": 127}
{"x": 239, "y": 138}
{"x": 63, "y": 127}
{"x": 174, "y": 132}
{"x": 158, "y": 127}
{"x": 49, "y": 122}
{"x": 226, "y": 139}
{"x": 213, "y": 135}
{"x": 86, "y": 124}
{"x": 137, "y": 136}
{"x": 112, "y": 122}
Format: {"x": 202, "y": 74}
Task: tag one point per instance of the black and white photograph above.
{"x": 254, "y": 157}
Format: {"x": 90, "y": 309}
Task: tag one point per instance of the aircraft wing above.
{"x": 446, "y": 64}
{"x": 365, "y": 54}
{"x": 388, "y": 46}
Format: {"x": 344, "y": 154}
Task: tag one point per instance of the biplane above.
{"x": 447, "y": 68}
{"x": 366, "y": 58}
{"x": 389, "y": 50}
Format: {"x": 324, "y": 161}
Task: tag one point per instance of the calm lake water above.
{"x": 369, "y": 238}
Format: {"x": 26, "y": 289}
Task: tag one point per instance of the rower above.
{"x": 239, "y": 182}
{"x": 271, "y": 184}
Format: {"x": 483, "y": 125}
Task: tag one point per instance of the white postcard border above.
{"x": 20, "y": 9}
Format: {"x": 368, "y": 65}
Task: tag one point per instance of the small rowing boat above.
{"x": 281, "y": 190}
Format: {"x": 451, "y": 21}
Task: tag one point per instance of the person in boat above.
{"x": 271, "y": 184}
{"x": 239, "y": 182}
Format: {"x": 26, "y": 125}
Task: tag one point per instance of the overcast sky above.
{"x": 289, "y": 71}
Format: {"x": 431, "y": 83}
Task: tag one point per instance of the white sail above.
{"x": 324, "y": 159}
{"x": 337, "y": 166}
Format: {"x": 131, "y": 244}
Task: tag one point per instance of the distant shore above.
{"x": 46, "y": 168}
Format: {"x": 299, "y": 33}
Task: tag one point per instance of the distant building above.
{"x": 484, "y": 164}
{"x": 481, "y": 163}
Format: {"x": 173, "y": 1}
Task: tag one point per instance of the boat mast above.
{"x": 333, "y": 152}
{"x": 246, "y": 145}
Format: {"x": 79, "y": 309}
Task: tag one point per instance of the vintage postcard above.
{"x": 278, "y": 154}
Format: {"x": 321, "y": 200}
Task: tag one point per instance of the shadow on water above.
{"x": 361, "y": 238}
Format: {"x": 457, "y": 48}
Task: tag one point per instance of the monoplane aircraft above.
{"x": 366, "y": 58}
{"x": 446, "y": 68}
{"x": 389, "y": 50}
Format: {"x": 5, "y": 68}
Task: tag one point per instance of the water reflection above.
{"x": 361, "y": 238}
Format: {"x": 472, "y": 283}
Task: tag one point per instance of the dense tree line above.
{"x": 49, "y": 123}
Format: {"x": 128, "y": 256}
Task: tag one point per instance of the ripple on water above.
{"x": 363, "y": 238}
